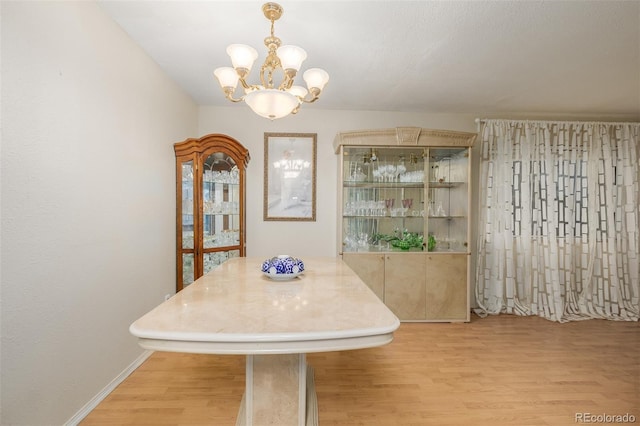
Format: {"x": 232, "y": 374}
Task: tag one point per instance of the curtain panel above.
{"x": 558, "y": 220}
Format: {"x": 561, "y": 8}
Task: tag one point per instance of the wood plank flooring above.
{"x": 501, "y": 370}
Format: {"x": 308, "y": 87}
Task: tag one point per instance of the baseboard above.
{"x": 93, "y": 403}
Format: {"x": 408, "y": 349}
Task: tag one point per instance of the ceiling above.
{"x": 478, "y": 57}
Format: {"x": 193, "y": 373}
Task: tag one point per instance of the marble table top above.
{"x": 237, "y": 309}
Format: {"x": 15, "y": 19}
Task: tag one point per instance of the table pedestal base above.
{"x": 280, "y": 391}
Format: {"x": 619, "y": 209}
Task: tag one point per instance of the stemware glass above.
{"x": 391, "y": 173}
{"x": 407, "y": 203}
{"x": 400, "y": 169}
{"x": 377, "y": 174}
{"x": 388, "y": 203}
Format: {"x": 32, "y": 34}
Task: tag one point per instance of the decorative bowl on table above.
{"x": 282, "y": 267}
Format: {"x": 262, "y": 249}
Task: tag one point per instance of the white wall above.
{"x": 306, "y": 238}
{"x": 88, "y": 203}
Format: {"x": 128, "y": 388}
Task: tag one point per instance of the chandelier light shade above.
{"x": 266, "y": 99}
{"x": 271, "y": 103}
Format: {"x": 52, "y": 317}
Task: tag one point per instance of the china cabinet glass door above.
{"x": 383, "y": 199}
{"x": 220, "y": 210}
{"x": 448, "y": 196}
{"x": 186, "y": 229}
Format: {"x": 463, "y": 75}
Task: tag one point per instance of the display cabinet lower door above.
{"x": 447, "y": 294}
{"x": 404, "y": 290}
{"x": 370, "y": 268}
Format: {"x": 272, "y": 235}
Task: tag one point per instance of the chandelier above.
{"x": 266, "y": 99}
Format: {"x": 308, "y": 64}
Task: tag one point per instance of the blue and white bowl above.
{"x": 282, "y": 267}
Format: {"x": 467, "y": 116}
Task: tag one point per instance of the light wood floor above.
{"x": 502, "y": 370}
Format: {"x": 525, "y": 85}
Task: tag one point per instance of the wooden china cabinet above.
{"x": 210, "y": 204}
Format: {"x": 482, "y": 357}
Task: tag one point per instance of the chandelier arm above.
{"x": 288, "y": 80}
{"x": 315, "y": 95}
{"x": 242, "y": 78}
{"x": 244, "y": 84}
{"x": 310, "y": 101}
{"x": 286, "y": 84}
{"x": 228, "y": 93}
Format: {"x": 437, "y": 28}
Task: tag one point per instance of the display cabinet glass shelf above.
{"x": 210, "y": 204}
{"x": 406, "y": 191}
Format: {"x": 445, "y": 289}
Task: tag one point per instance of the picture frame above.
{"x": 290, "y": 177}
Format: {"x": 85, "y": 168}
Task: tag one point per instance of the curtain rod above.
{"x": 484, "y": 120}
{"x": 479, "y": 122}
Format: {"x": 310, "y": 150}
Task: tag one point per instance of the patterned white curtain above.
{"x": 559, "y": 228}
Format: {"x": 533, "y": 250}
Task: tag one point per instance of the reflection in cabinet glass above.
{"x": 406, "y": 191}
{"x": 210, "y": 204}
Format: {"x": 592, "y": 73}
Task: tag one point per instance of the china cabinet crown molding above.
{"x": 404, "y": 136}
{"x": 213, "y": 141}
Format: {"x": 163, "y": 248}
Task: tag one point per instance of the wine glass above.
{"x": 400, "y": 169}
{"x": 391, "y": 172}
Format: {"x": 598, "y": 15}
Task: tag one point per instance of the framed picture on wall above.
{"x": 290, "y": 176}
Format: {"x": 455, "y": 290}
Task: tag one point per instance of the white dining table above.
{"x": 237, "y": 309}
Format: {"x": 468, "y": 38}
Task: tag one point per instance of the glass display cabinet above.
{"x": 403, "y": 222}
{"x": 210, "y": 204}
